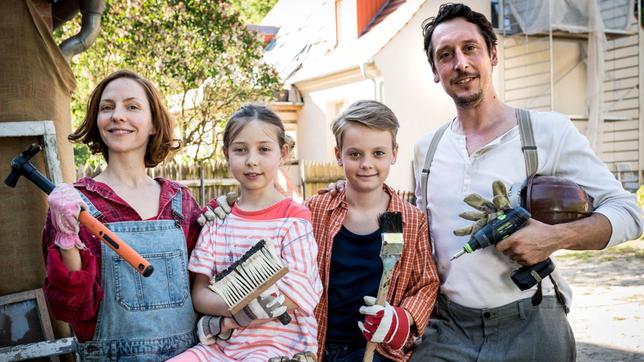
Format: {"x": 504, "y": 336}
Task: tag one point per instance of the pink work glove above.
{"x": 384, "y": 323}
{"x": 65, "y": 205}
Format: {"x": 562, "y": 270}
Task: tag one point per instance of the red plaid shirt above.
{"x": 414, "y": 281}
{"x": 75, "y": 297}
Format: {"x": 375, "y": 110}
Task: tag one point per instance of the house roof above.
{"x": 389, "y": 8}
{"x": 304, "y": 47}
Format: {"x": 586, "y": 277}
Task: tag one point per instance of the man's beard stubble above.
{"x": 469, "y": 101}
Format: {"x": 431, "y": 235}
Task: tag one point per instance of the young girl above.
{"x": 255, "y": 147}
{"x": 114, "y": 312}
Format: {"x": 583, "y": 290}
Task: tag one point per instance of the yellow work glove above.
{"x": 488, "y": 210}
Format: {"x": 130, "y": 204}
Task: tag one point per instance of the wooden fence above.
{"x": 318, "y": 175}
{"x": 205, "y": 181}
{"x": 211, "y": 179}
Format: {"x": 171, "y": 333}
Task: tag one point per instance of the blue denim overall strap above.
{"x": 144, "y": 319}
{"x": 90, "y": 207}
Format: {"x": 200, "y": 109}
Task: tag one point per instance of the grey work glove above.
{"x": 224, "y": 204}
{"x": 488, "y": 210}
{"x": 209, "y": 329}
{"x": 268, "y": 305}
{"x": 334, "y": 187}
{"x": 304, "y": 357}
{"x": 298, "y": 357}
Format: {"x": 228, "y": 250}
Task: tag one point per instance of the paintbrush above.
{"x": 248, "y": 277}
{"x": 391, "y": 227}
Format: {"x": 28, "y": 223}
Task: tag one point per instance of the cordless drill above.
{"x": 504, "y": 225}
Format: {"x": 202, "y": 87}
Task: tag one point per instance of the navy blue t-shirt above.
{"x": 355, "y": 272}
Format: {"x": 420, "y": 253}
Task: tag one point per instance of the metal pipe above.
{"x": 366, "y": 75}
{"x": 91, "y": 11}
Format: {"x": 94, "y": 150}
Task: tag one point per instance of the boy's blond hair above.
{"x": 371, "y": 114}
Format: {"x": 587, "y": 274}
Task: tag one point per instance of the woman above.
{"x": 114, "y": 311}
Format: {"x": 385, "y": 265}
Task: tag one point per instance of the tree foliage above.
{"x": 252, "y": 11}
{"x": 200, "y": 55}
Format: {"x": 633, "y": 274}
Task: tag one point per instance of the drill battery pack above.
{"x": 528, "y": 276}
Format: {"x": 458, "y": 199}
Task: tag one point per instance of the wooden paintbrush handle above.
{"x": 369, "y": 351}
{"x": 383, "y": 290}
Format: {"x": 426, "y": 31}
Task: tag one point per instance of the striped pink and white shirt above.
{"x": 288, "y": 225}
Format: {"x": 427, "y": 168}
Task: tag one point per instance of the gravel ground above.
{"x": 607, "y": 313}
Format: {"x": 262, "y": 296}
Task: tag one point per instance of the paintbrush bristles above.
{"x": 390, "y": 222}
{"x": 253, "y": 273}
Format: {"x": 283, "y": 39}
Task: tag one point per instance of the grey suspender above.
{"x": 425, "y": 173}
{"x": 528, "y": 146}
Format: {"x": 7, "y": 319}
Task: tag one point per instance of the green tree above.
{"x": 252, "y": 11}
{"x": 200, "y": 55}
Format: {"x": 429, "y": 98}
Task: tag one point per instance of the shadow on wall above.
{"x": 587, "y": 352}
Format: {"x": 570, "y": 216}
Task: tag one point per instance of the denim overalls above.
{"x": 144, "y": 319}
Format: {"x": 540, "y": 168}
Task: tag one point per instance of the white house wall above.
{"x": 621, "y": 143}
{"x": 570, "y": 77}
{"x": 314, "y": 126}
{"x": 525, "y": 67}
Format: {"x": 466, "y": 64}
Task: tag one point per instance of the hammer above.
{"x": 20, "y": 166}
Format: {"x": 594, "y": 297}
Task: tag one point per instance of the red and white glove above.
{"x": 268, "y": 305}
{"x": 384, "y": 323}
{"x": 65, "y": 206}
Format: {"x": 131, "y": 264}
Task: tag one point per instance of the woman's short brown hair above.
{"x": 159, "y": 145}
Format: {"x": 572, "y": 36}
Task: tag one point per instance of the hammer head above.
{"x": 18, "y": 162}
{"x": 20, "y": 166}
{"x": 12, "y": 178}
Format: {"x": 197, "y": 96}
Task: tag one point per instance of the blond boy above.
{"x": 346, "y": 229}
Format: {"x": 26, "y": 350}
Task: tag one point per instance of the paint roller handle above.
{"x": 115, "y": 243}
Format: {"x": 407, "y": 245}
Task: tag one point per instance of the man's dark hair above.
{"x": 451, "y": 11}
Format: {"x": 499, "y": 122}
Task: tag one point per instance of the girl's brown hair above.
{"x": 159, "y": 145}
{"x": 248, "y": 113}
